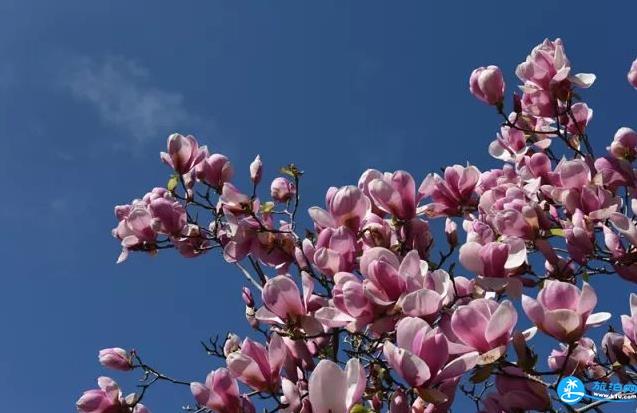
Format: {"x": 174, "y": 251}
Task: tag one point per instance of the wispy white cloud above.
{"x": 122, "y": 93}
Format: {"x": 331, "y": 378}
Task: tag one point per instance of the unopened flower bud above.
{"x": 451, "y": 231}
{"x": 115, "y": 358}
{"x": 215, "y": 170}
{"x": 246, "y": 295}
{"x": 256, "y": 170}
{"x": 487, "y": 84}
{"x": 282, "y": 189}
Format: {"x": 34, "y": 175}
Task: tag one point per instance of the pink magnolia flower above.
{"x": 108, "y": 399}
{"x": 485, "y": 325}
{"x": 169, "y": 215}
{"x": 615, "y": 172}
{"x": 632, "y": 74}
{"x": 414, "y": 235}
{"x": 115, "y": 358}
{"x": 547, "y": 67}
{"x": 487, "y": 84}
{"x": 346, "y": 206}
{"x": 582, "y": 114}
{"x": 421, "y": 354}
{"x": 215, "y": 171}
{"x": 427, "y": 292}
{"x": 220, "y": 393}
{"x": 537, "y": 101}
{"x": 234, "y": 201}
{"x": 134, "y": 228}
{"x": 624, "y": 145}
{"x": 512, "y": 209}
{"x": 537, "y": 165}
{"x": 618, "y": 348}
{"x": 546, "y": 76}
{"x": 581, "y": 359}
{"x": 516, "y": 391}
{"x": 572, "y": 174}
{"x": 478, "y": 231}
{"x": 563, "y": 311}
{"x": 256, "y": 366}
{"x": 245, "y": 235}
{"x": 363, "y": 184}
{"x": 579, "y": 238}
{"x": 395, "y": 194}
{"x": 283, "y": 303}
{"x": 384, "y": 281}
{"x": 420, "y": 292}
{"x": 517, "y": 220}
{"x": 334, "y": 390}
{"x": 282, "y": 299}
{"x": 505, "y": 177}
{"x": 596, "y": 202}
{"x": 451, "y": 194}
{"x": 494, "y": 259}
{"x": 350, "y": 307}
{"x": 183, "y": 153}
{"x": 509, "y": 145}
{"x": 376, "y": 232}
{"x": 139, "y": 223}
{"x": 282, "y": 189}
{"x": 335, "y": 250}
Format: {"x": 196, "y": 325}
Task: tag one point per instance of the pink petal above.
{"x": 562, "y": 324}
{"x": 470, "y": 257}
{"x": 407, "y": 329}
{"x": 327, "y": 388}
{"x": 355, "y": 382}
{"x": 409, "y": 366}
{"x": 502, "y": 322}
{"x": 588, "y": 299}
{"x": 594, "y": 320}
{"x": 533, "y": 310}
{"x": 421, "y": 303}
{"x": 458, "y": 366}
{"x": 282, "y": 297}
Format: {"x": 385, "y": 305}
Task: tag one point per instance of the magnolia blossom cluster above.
{"x": 365, "y": 313}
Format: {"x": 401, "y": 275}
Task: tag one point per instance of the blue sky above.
{"x": 89, "y": 91}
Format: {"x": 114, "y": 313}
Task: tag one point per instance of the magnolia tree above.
{"x": 360, "y": 315}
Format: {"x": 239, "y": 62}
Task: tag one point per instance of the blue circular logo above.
{"x": 571, "y": 390}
